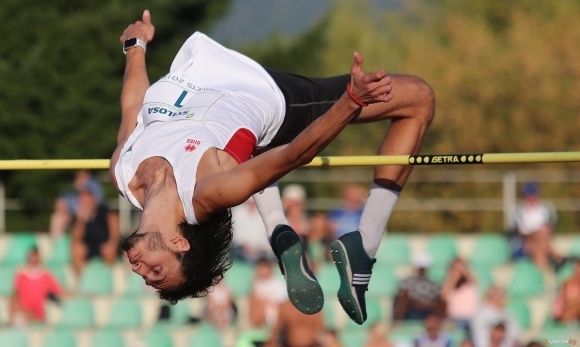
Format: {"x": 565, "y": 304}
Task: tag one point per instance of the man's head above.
{"x": 422, "y": 262}
{"x": 33, "y": 258}
{"x": 432, "y": 325}
{"x": 497, "y": 334}
{"x": 496, "y": 297}
{"x": 531, "y": 193}
{"x": 263, "y": 269}
{"x": 183, "y": 264}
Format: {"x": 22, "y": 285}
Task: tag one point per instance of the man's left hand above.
{"x": 143, "y": 30}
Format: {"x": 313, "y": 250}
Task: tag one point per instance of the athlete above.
{"x": 219, "y": 128}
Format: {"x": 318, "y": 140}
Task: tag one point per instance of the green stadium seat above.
{"x": 564, "y": 273}
{"x": 402, "y": 337}
{"x": 96, "y": 279}
{"x": 383, "y": 283}
{"x": 136, "y": 287}
{"x": 483, "y": 276}
{"x": 353, "y": 338}
{"x": 240, "y": 278}
{"x": 490, "y": 250}
{"x": 125, "y": 314}
{"x": 394, "y": 250}
{"x": 59, "y": 272}
{"x": 374, "y": 314}
{"x": 60, "y": 252}
{"x": 328, "y": 278}
{"x": 208, "y": 336}
{"x": 437, "y": 272}
{"x": 574, "y": 250}
{"x": 7, "y": 283}
{"x": 13, "y": 338}
{"x": 18, "y": 249}
{"x": 77, "y": 314}
{"x": 442, "y": 249}
{"x": 59, "y": 339}
{"x": 179, "y": 316}
{"x": 521, "y": 312}
{"x": 108, "y": 339}
{"x": 329, "y": 315}
{"x": 457, "y": 336}
{"x": 527, "y": 281}
{"x": 158, "y": 339}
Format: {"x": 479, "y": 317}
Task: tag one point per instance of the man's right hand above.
{"x": 369, "y": 88}
{"x": 143, "y": 30}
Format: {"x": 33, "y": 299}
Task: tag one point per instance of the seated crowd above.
{"x": 455, "y": 304}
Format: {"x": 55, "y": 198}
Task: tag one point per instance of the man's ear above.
{"x": 180, "y": 243}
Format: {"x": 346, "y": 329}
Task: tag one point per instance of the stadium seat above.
{"x": 383, "y": 283}
{"x": 483, "y": 277}
{"x": 179, "y": 316}
{"x": 158, "y": 339}
{"x": 328, "y": 278}
{"x": 521, "y": 312}
{"x": 7, "y": 283}
{"x": 564, "y": 273}
{"x": 77, "y": 314}
{"x": 490, "y": 250}
{"x": 329, "y": 315}
{"x": 59, "y": 339}
{"x": 574, "y": 250}
{"x": 60, "y": 252}
{"x": 353, "y": 338}
{"x": 442, "y": 249}
{"x": 18, "y": 249}
{"x": 13, "y": 338}
{"x": 96, "y": 279}
{"x": 527, "y": 281}
{"x": 394, "y": 250}
{"x": 59, "y": 272}
{"x": 437, "y": 273}
{"x": 208, "y": 336}
{"x": 108, "y": 339}
{"x": 125, "y": 314}
{"x": 240, "y": 278}
{"x": 135, "y": 286}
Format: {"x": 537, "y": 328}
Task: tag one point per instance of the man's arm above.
{"x": 231, "y": 188}
{"x": 135, "y": 84}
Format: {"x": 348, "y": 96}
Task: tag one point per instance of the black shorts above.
{"x": 306, "y": 100}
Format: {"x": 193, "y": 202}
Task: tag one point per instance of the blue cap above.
{"x": 531, "y": 188}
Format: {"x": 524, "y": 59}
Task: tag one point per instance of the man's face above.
{"x": 151, "y": 258}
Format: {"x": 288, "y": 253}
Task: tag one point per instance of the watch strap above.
{"x": 132, "y": 43}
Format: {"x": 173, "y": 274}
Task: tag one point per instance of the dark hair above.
{"x": 204, "y": 265}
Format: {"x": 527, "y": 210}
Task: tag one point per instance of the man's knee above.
{"x": 424, "y": 99}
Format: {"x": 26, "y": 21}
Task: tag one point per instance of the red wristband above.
{"x": 357, "y": 101}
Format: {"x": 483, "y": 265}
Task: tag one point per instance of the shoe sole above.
{"x": 304, "y": 291}
{"x": 346, "y": 294}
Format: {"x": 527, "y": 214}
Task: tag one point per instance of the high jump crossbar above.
{"x": 323, "y": 161}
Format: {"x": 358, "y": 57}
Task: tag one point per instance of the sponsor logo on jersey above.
{"x": 191, "y": 145}
{"x": 165, "y": 111}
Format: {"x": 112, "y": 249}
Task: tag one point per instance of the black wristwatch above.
{"x": 132, "y": 43}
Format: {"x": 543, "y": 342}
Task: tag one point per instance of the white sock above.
{"x": 375, "y": 216}
{"x": 269, "y": 206}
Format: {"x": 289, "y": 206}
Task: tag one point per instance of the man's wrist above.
{"x": 135, "y": 52}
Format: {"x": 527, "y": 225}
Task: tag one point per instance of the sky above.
{"x": 253, "y": 20}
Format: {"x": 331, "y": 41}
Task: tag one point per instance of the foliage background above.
{"x": 506, "y": 76}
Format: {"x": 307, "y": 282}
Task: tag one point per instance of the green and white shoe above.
{"x": 303, "y": 289}
{"x": 354, "y": 268}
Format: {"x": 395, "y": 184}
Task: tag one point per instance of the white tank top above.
{"x": 212, "y": 98}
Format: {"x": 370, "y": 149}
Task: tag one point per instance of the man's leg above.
{"x": 303, "y": 289}
{"x": 411, "y": 111}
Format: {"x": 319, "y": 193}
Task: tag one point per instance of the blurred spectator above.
{"x": 295, "y": 329}
{"x": 346, "y": 218}
{"x": 466, "y": 343}
{"x": 534, "y": 222}
{"x": 65, "y": 206}
{"x": 567, "y": 305}
{"x": 418, "y": 296}
{"x": 33, "y": 286}
{"x": 535, "y": 344}
{"x": 220, "y": 308}
{"x": 330, "y": 339}
{"x": 250, "y": 240}
{"x": 266, "y": 295}
{"x": 489, "y": 315}
{"x": 377, "y": 337}
{"x": 95, "y": 232}
{"x": 460, "y": 294}
{"x": 293, "y": 197}
{"x": 497, "y": 337}
{"x": 433, "y": 337}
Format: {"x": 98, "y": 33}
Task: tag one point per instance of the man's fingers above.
{"x": 383, "y": 90}
{"x": 375, "y": 76}
{"x": 147, "y": 17}
{"x": 357, "y": 66}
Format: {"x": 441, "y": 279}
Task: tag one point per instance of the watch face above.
{"x": 130, "y": 43}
